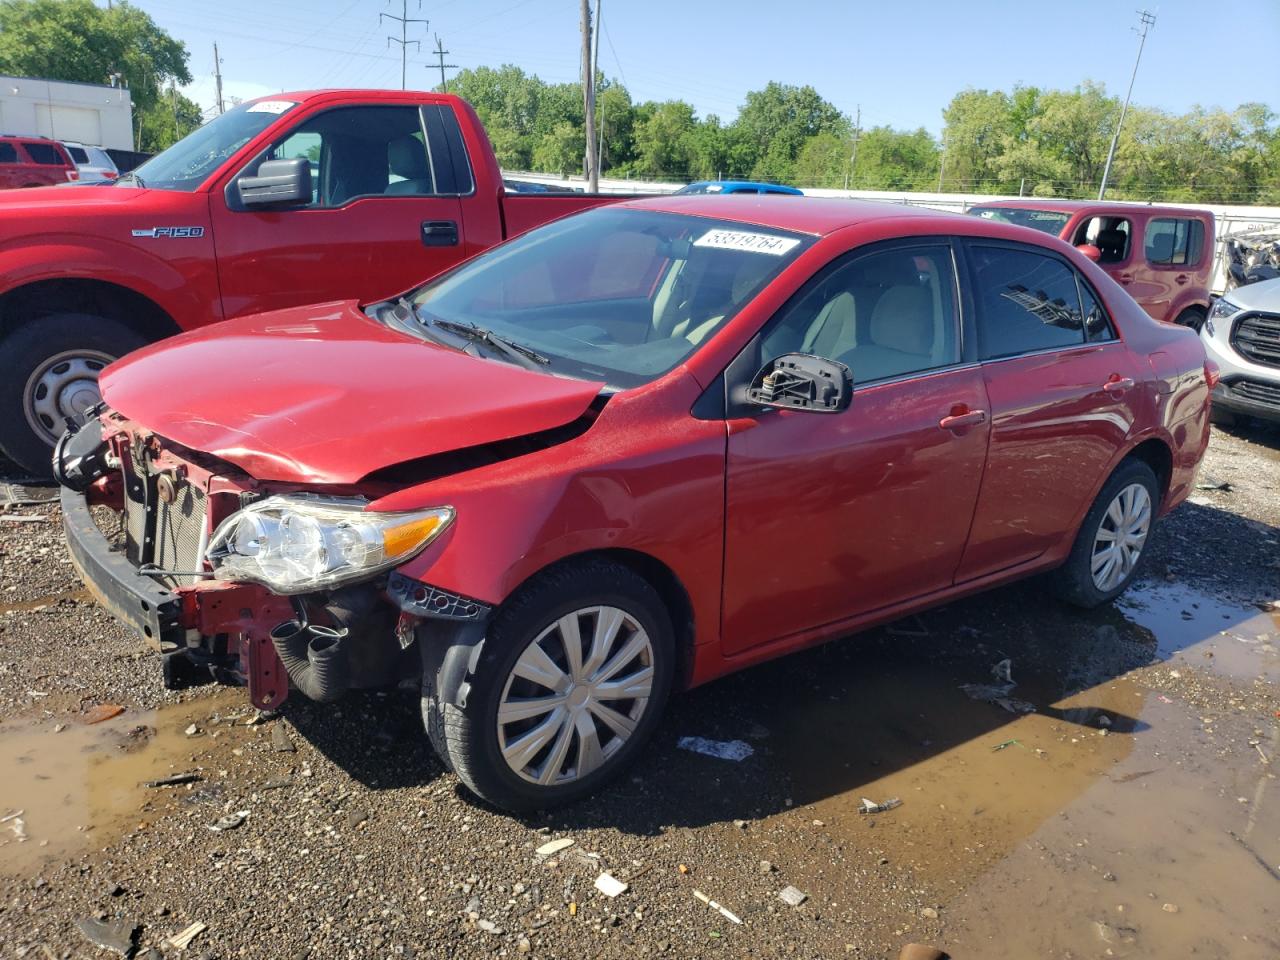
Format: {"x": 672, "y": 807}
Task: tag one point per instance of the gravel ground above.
{"x": 357, "y": 844}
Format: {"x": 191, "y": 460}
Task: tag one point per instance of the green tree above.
{"x": 977, "y": 125}
{"x": 664, "y": 140}
{"x": 779, "y": 119}
{"x": 166, "y": 122}
{"x": 561, "y": 149}
{"x": 891, "y": 159}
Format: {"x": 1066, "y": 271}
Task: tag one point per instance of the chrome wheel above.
{"x": 65, "y": 385}
{"x": 1121, "y": 536}
{"x": 575, "y": 695}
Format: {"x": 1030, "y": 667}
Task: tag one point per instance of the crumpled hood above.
{"x": 323, "y": 394}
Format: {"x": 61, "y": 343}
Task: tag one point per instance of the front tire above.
{"x": 51, "y": 368}
{"x": 1111, "y": 543}
{"x": 574, "y": 674}
{"x": 1192, "y": 317}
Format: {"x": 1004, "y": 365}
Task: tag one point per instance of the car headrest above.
{"x": 407, "y": 158}
{"x": 903, "y": 320}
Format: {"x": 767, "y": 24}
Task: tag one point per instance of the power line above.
{"x": 1147, "y": 21}
{"x": 440, "y": 51}
{"x": 404, "y": 20}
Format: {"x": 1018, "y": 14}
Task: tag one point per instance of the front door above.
{"x": 380, "y": 219}
{"x": 1060, "y": 387}
{"x": 833, "y": 515}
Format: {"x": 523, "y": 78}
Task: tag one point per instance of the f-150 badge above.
{"x": 177, "y": 233}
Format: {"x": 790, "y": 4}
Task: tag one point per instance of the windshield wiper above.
{"x": 530, "y": 359}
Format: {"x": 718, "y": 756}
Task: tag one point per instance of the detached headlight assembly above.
{"x": 297, "y": 543}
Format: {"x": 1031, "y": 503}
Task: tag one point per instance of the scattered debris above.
{"x": 17, "y": 826}
{"x": 929, "y": 913}
{"x": 870, "y": 806}
{"x": 610, "y": 885}
{"x": 488, "y": 926}
{"x": 998, "y": 693}
{"x": 356, "y": 817}
{"x": 683, "y": 868}
{"x": 281, "y": 741}
{"x": 1261, "y": 754}
{"x": 230, "y": 821}
{"x": 1170, "y": 908}
{"x": 1209, "y": 483}
{"x": 22, "y": 518}
{"x": 918, "y": 951}
{"x": 114, "y": 935}
{"x": 791, "y": 896}
{"x": 173, "y": 781}
{"x": 553, "y": 847}
{"x": 735, "y": 750}
{"x": 192, "y": 731}
{"x": 766, "y": 867}
{"x": 182, "y": 939}
{"x": 727, "y": 914}
{"x": 101, "y": 712}
{"x": 1007, "y": 744}
{"x": 276, "y": 783}
{"x": 740, "y": 824}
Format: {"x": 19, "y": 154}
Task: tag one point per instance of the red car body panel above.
{"x": 325, "y": 395}
{"x": 1163, "y": 290}
{"x": 742, "y": 514}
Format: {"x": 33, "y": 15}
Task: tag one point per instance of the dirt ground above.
{"x": 1133, "y": 813}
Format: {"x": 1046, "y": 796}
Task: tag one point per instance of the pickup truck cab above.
{"x": 1163, "y": 256}
{"x": 286, "y": 200}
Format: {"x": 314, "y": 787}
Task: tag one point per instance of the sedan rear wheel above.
{"x": 1121, "y": 536}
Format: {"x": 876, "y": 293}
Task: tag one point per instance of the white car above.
{"x": 1242, "y": 336}
{"x": 94, "y": 163}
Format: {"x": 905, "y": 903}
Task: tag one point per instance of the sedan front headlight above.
{"x": 296, "y": 543}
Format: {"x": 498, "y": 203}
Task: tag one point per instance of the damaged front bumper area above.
{"x": 167, "y": 503}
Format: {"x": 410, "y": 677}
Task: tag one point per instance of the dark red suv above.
{"x": 630, "y": 452}
{"x": 34, "y": 162}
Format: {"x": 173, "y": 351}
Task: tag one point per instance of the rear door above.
{"x": 1061, "y": 389}
{"x": 832, "y": 515}
{"x": 1174, "y": 252}
{"x": 385, "y": 211}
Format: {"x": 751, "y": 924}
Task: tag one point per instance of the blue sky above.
{"x": 901, "y": 61}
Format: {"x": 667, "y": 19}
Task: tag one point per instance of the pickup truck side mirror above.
{"x": 278, "y": 183}
{"x": 799, "y": 381}
{"x": 1090, "y": 251}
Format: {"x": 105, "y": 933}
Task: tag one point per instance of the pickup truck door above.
{"x": 385, "y": 212}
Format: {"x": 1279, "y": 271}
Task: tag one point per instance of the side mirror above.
{"x": 1090, "y": 251}
{"x": 798, "y": 381}
{"x": 277, "y": 183}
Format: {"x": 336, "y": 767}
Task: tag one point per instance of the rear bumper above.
{"x": 148, "y": 608}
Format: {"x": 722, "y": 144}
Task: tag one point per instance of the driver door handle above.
{"x": 956, "y": 422}
{"x": 1118, "y": 385}
{"x": 1181, "y": 278}
{"x": 1125, "y": 277}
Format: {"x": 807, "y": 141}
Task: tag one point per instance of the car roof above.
{"x": 813, "y": 215}
{"x": 1076, "y": 206}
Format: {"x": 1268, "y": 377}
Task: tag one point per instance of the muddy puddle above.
{"x": 67, "y": 785}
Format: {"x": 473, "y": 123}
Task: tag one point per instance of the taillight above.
{"x": 109, "y": 174}
{"x": 73, "y": 175}
{"x": 1212, "y": 375}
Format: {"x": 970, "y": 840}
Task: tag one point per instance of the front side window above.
{"x": 360, "y": 152}
{"x": 1097, "y": 325}
{"x": 1046, "y": 221}
{"x": 1026, "y": 302}
{"x": 882, "y": 314}
{"x": 1174, "y": 241}
{"x": 1111, "y": 235}
{"x": 613, "y": 294}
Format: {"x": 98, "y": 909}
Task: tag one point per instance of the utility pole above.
{"x": 942, "y": 166}
{"x": 1147, "y": 21}
{"x": 404, "y": 20}
{"x": 853, "y": 158}
{"x": 440, "y": 51}
{"x": 217, "y": 77}
{"x": 595, "y": 72}
{"x": 589, "y": 99}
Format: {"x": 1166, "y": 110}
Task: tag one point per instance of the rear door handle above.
{"x": 1125, "y": 277}
{"x": 960, "y": 421}
{"x": 439, "y": 233}
{"x": 1118, "y": 385}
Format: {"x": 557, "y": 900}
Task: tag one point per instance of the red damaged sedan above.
{"x": 629, "y": 452}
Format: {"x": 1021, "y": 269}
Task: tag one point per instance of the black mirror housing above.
{"x": 800, "y": 381}
{"x": 277, "y": 183}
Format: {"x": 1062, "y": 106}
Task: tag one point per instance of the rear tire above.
{"x": 1122, "y": 518}
{"x": 593, "y": 732}
{"x": 51, "y": 367}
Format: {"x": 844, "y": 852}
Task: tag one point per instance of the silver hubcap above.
{"x": 575, "y": 696}
{"x": 63, "y": 386}
{"x": 1121, "y": 537}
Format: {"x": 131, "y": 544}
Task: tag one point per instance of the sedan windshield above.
{"x": 612, "y": 294}
{"x": 1046, "y": 221}
{"x": 190, "y": 161}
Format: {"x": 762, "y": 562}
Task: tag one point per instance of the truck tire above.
{"x": 51, "y": 370}
{"x": 1123, "y": 516}
{"x": 593, "y": 731}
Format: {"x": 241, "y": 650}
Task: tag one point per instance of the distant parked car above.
{"x": 34, "y": 162}
{"x": 524, "y": 186}
{"x": 1162, "y": 255}
{"x": 737, "y": 186}
{"x": 94, "y": 164}
{"x": 1242, "y": 336}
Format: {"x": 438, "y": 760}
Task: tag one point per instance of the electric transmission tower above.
{"x": 404, "y": 20}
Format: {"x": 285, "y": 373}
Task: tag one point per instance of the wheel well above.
{"x": 85, "y": 296}
{"x": 663, "y": 579}
{"x": 1156, "y": 455}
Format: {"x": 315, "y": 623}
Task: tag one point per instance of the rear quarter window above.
{"x": 8, "y": 153}
{"x": 78, "y": 154}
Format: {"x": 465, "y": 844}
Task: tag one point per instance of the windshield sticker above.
{"x": 751, "y": 242}
{"x": 271, "y": 106}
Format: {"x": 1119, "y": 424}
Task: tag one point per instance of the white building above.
{"x": 90, "y": 113}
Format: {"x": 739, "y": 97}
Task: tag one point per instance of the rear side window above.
{"x": 1026, "y": 302}
{"x": 1174, "y": 241}
{"x": 45, "y": 153}
{"x": 8, "y": 153}
{"x": 1097, "y": 325}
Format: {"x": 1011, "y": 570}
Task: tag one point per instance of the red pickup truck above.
{"x": 291, "y": 199}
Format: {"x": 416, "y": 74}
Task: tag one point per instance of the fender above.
{"x": 185, "y": 287}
